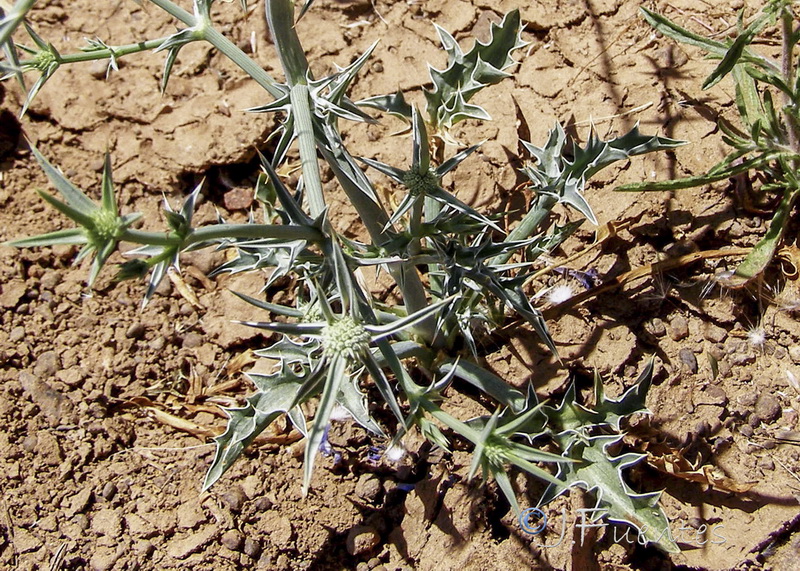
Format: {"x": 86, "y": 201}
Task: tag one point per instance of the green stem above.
{"x": 414, "y": 227}
{"x": 237, "y": 56}
{"x": 280, "y": 17}
{"x": 176, "y": 11}
{"x": 223, "y": 231}
{"x": 432, "y": 210}
{"x": 788, "y": 70}
{"x": 529, "y": 223}
{"x": 112, "y": 51}
{"x": 224, "y": 45}
{"x": 306, "y": 142}
{"x": 453, "y": 423}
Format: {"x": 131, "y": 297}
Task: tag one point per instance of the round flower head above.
{"x": 346, "y": 338}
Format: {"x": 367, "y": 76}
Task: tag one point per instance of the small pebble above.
{"x": 192, "y": 340}
{"x": 696, "y": 522}
{"x": 82, "y": 521}
{"x": 262, "y": 504}
{"x": 766, "y": 463}
{"x": 233, "y": 539}
{"x": 252, "y": 548}
{"x": 234, "y": 498}
{"x": 369, "y": 488}
{"x": 135, "y": 331}
{"x": 51, "y": 279}
{"x": 143, "y": 547}
{"x": 656, "y": 327}
{"x": 109, "y": 491}
{"x": 688, "y": 358}
{"x": 30, "y": 442}
{"x": 714, "y": 395}
{"x": 238, "y": 199}
{"x": 747, "y": 400}
{"x": 46, "y": 365}
{"x": 361, "y": 540}
{"x": 715, "y": 334}
{"x": 678, "y": 328}
{"x": 98, "y": 69}
{"x": 768, "y": 408}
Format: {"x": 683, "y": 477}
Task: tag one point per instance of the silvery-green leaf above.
{"x": 336, "y": 376}
{"x": 632, "y": 400}
{"x": 394, "y": 104}
{"x": 63, "y": 237}
{"x": 356, "y": 403}
{"x": 276, "y": 395}
{"x": 601, "y": 474}
{"x": 562, "y": 172}
{"x": 74, "y": 196}
{"x": 466, "y": 74}
{"x": 486, "y": 381}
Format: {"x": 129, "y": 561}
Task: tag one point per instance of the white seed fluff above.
{"x": 340, "y": 413}
{"x": 756, "y": 337}
{"x": 395, "y": 453}
{"x": 559, "y": 294}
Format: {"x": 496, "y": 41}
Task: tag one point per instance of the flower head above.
{"x": 345, "y": 337}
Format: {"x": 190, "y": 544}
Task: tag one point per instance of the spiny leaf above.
{"x": 64, "y": 237}
{"x": 336, "y": 376}
{"x": 562, "y": 173}
{"x": 356, "y": 403}
{"x": 277, "y": 394}
{"x": 601, "y": 474}
{"x": 74, "y": 196}
{"x": 466, "y": 74}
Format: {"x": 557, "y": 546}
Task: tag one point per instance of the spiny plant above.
{"x": 766, "y": 143}
{"x": 459, "y": 273}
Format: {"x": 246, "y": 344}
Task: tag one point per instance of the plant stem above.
{"x": 280, "y": 14}
{"x": 176, "y": 11}
{"x": 526, "y": 226}
{"x": 223, "y": 231}
{"x": 112, "y": 51}
{"x": 788, "y": 70}
{"x": 280, "y": 18}
{"x": 306, "y": 142}
{"x": 237, "y": 56}
{"x": 414, "y": 226}
{"x": 224, "y": 45}
{"x": 454, "y": 424}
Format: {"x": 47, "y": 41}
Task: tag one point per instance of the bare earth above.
{"x": 107, "y": 409}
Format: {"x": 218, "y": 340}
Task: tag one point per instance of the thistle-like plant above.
{"x": 100, "y": 227}
{"x": 458, "y": 272}
{"x": 767, "y": 140}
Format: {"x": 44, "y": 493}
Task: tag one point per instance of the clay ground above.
{"x": 96, "y": 470}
